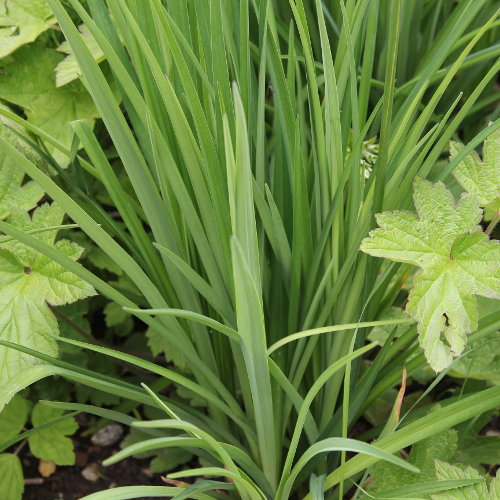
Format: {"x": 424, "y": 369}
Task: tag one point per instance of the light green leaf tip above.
{"x": 29, "y": 282}
{"x": 480, "y": 178}
{"x": 21, "y": 21}
{"x": 457, "y": 260}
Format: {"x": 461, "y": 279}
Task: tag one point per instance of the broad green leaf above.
{"x": 12, "y": 418}
{"x": 387, "y": 476}
{"x": 480, "y": 178}
{"x": 457, "y": 260}
{"x": 21, "y": 21}
{"x": 13, "y": 193}
{"x": 11, "y": 477}
{"x": 478, "y": 491}
{"x": 68, "y": 70}
{"x": 29, "y": 81}
{"x": 29, "y": 282}
{"x": 51, "y": 444}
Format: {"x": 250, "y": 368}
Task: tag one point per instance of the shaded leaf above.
{"x": 423, "y": 454}
{"x": 12, "y": 418}
{"x": 11, "y": 477}
{"x": 29, "y": 82}
{"x": 13, "y": 192}
{"x": 51, "y": 444}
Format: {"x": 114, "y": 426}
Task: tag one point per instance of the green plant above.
{"x": 241, "y": 209}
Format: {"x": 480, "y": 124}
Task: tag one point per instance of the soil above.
{"x": 68, "y": 483}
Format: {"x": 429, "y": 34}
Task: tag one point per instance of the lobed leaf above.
{"x": 480, "y": 178}
{"x": 21, "y": 21}
{"x": 52, "y": 444}
{"x": 29, "y": 281}
{"x": 457, "y": 259}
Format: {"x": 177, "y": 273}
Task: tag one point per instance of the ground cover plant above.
{"x": 279, "y": 218}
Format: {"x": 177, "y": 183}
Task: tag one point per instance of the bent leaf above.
{"x": 29, "y": 281}
{"x": 457, "y": 260}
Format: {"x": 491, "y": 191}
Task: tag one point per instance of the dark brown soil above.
{"x": 67, "y": 483}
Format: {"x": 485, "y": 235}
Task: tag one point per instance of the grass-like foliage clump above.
{"x": 223, "y": 167}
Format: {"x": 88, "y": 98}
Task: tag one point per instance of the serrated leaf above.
{"x": 29, "y": 281}
{"x": 457, "y": 260}
{"x": 103, "y": 261}
{"x": 495, "y": 487}
{"x": 380, "y": 334}
{"x": 475, "y": 449}
{"x": 114, "y": 314}
{"x": 75, "y": 313}
{"x": 68, "y": 70}
{"x": 423, "y": 455}
{"x": 21, "y": 21}
{"x": 51, "y": 444}
{"x": 29, "y": 81}
{"x": 13, "y": 418}
{"x": 480, "y": 178}
{"x": 482, "y": 362}
{"x": 11, "y": 477}
{"x": 476, "y": 491}
{"x": 13, "y": 193}
{"x": 159, "y": 345}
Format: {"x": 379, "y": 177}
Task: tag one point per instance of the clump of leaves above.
{"x": 49, "y": 443}
{"x": 457, "y": 258}
{"x": 29, "y": 282}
